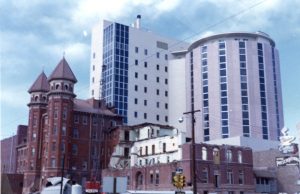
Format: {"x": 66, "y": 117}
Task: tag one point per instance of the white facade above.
{"x": 147, "y": 145}
{"x": 147, "y": 88}
{"x": 157, "y": 145}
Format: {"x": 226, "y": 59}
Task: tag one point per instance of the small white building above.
{"x": 148, "y": 144}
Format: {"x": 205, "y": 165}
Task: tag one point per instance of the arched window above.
{"x": 216, "y": 155}
{"x": 66, "y": 87}
{"x": 36, "y": 98}
{"x": 229, "y": 156}
{"x": 204, "y": 153}
{"x": 240, "y": 157}
{"x": 56, "y": 86}
{"x": 139, "y": 180}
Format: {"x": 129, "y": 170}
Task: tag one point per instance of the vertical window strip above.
{"x": 244, "y": 88}
{"x": 263, "y": 99}
{"x": 204, "y": 68}
{"x": 276, "y": 93}
{"x": 223, "y": 89}
{"x": 115, "y": 73}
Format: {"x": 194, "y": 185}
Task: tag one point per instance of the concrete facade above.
{"x": 135, "y": 77}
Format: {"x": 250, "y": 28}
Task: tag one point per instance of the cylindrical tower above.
{"x": 237, "y": 86}
{"x": 60, "y": 117}
{"x": 37, "y": 109}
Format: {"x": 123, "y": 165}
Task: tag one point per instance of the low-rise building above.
{"x": 159, "y": 151}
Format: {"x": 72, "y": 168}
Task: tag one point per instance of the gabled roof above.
{"x": 40, "y": 85}
{"x": 63, "y": 71}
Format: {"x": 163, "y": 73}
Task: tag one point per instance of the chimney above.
{"x": 138, "y": 21}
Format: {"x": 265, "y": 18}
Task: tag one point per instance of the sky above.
{"x": 36, "y": 34}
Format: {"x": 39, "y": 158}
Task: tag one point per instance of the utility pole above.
{"x": 193, "y": 161}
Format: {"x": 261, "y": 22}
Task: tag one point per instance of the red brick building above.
{"x": 219, "y": 169}
{"x": 65, "y": 131}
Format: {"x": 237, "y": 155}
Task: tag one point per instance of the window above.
{"x": 157, "y": 177}
{"x": 53, "y": 148}
{"x": 32, "y": 151}
{"x": 74, "y": 149}
{"x": 166, "y": 57}
{"x": 151, "y": 177}
{"x": 145, "y": 77}
{"x": 164, "y": 147}
{"x": 145, "y": 64}
{"x": 166, "y": 81}
{"x": 55, "y": 113}
{"x": 135, "y": 114}
{"x": 75, "y": 133}
{"x": 216, "y": 155}
{"x": 146, "y": 150}
{"x": 145, "y": 89}
{"x": 63, "y": 147}
{"x": 135, "y": 88}
{"x": 136, "y": 75}
{"x": 166, "y": 69}
{"x": 157, "y": 91}
{"x": 145, "y": 102}
{"x": 204, "y": 175}
{"x": 166, "y": 118}
{"x": 135, "y": 101}
{"x": 157, "y": 67}
{"x": 204, "y": 153}
{"x": 53, "y": 162}
{"x": 240, "y": 157}
{"x": 153, "y": 149}
{"x": 84, "y": 119}
{"x": 136, "y": 49}
{"x": 229, "y": 177}
{"x": 157, "y": 79}
{"x": 241, "y": 177}
{"x": 84, "y": 165}
{"x": 157, "y": 55}
{"x": 64, "y": 130}
{"x": 166, "y": 106}
{"x": 54, "y": 131}
{"x": 141, "y": 151}
{"x": 145, "y": 51}
{"x": 136, "y": 62}
{"x": 166, "y": 93}
{"x": 157, "y": 117}
{"x": 157, "y": 104}
{"x": 145, "y": 115}
{"x": 76, "y": 118}
{"x": 229, "y": 156}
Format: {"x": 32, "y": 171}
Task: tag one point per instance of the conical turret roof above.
{"x": 63, "y": 71}
{"x": 40, "y": 85}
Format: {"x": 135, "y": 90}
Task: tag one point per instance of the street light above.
{"x": 193, "y": 161}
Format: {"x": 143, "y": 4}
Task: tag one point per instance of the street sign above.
{"x": 288, "y": 160}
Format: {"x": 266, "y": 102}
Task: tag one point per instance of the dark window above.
{"x": 222, "y": 59}
{"x": 166, "y": 57}
{"x": 157, "y": 117}
{"x": 136, "y": 62}
{"x": 145, "y": 115}
{"x": 157, "y": 55}
{"x": 135, "y": 101}
{"x": 145, "y": 102}
{"x": 146, "y": 52}
{"x": 157, "y": 66}
{"x": 136, "y": 49}
{"x": 145, "y": 77}
{"x": 145, "y": 64}
{"x": 135, "y": 114}
{"x": 136, "y": 88}
{"x": 145, "y": 89}
{"x": 136, "y": 75}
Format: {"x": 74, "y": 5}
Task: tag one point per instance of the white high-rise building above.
{"x": 232, "y": 78}
{"x": 130, "y": 70}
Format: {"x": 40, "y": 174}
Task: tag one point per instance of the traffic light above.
{"x": 175, "y": 180}
{"x": 179, "y": 181}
